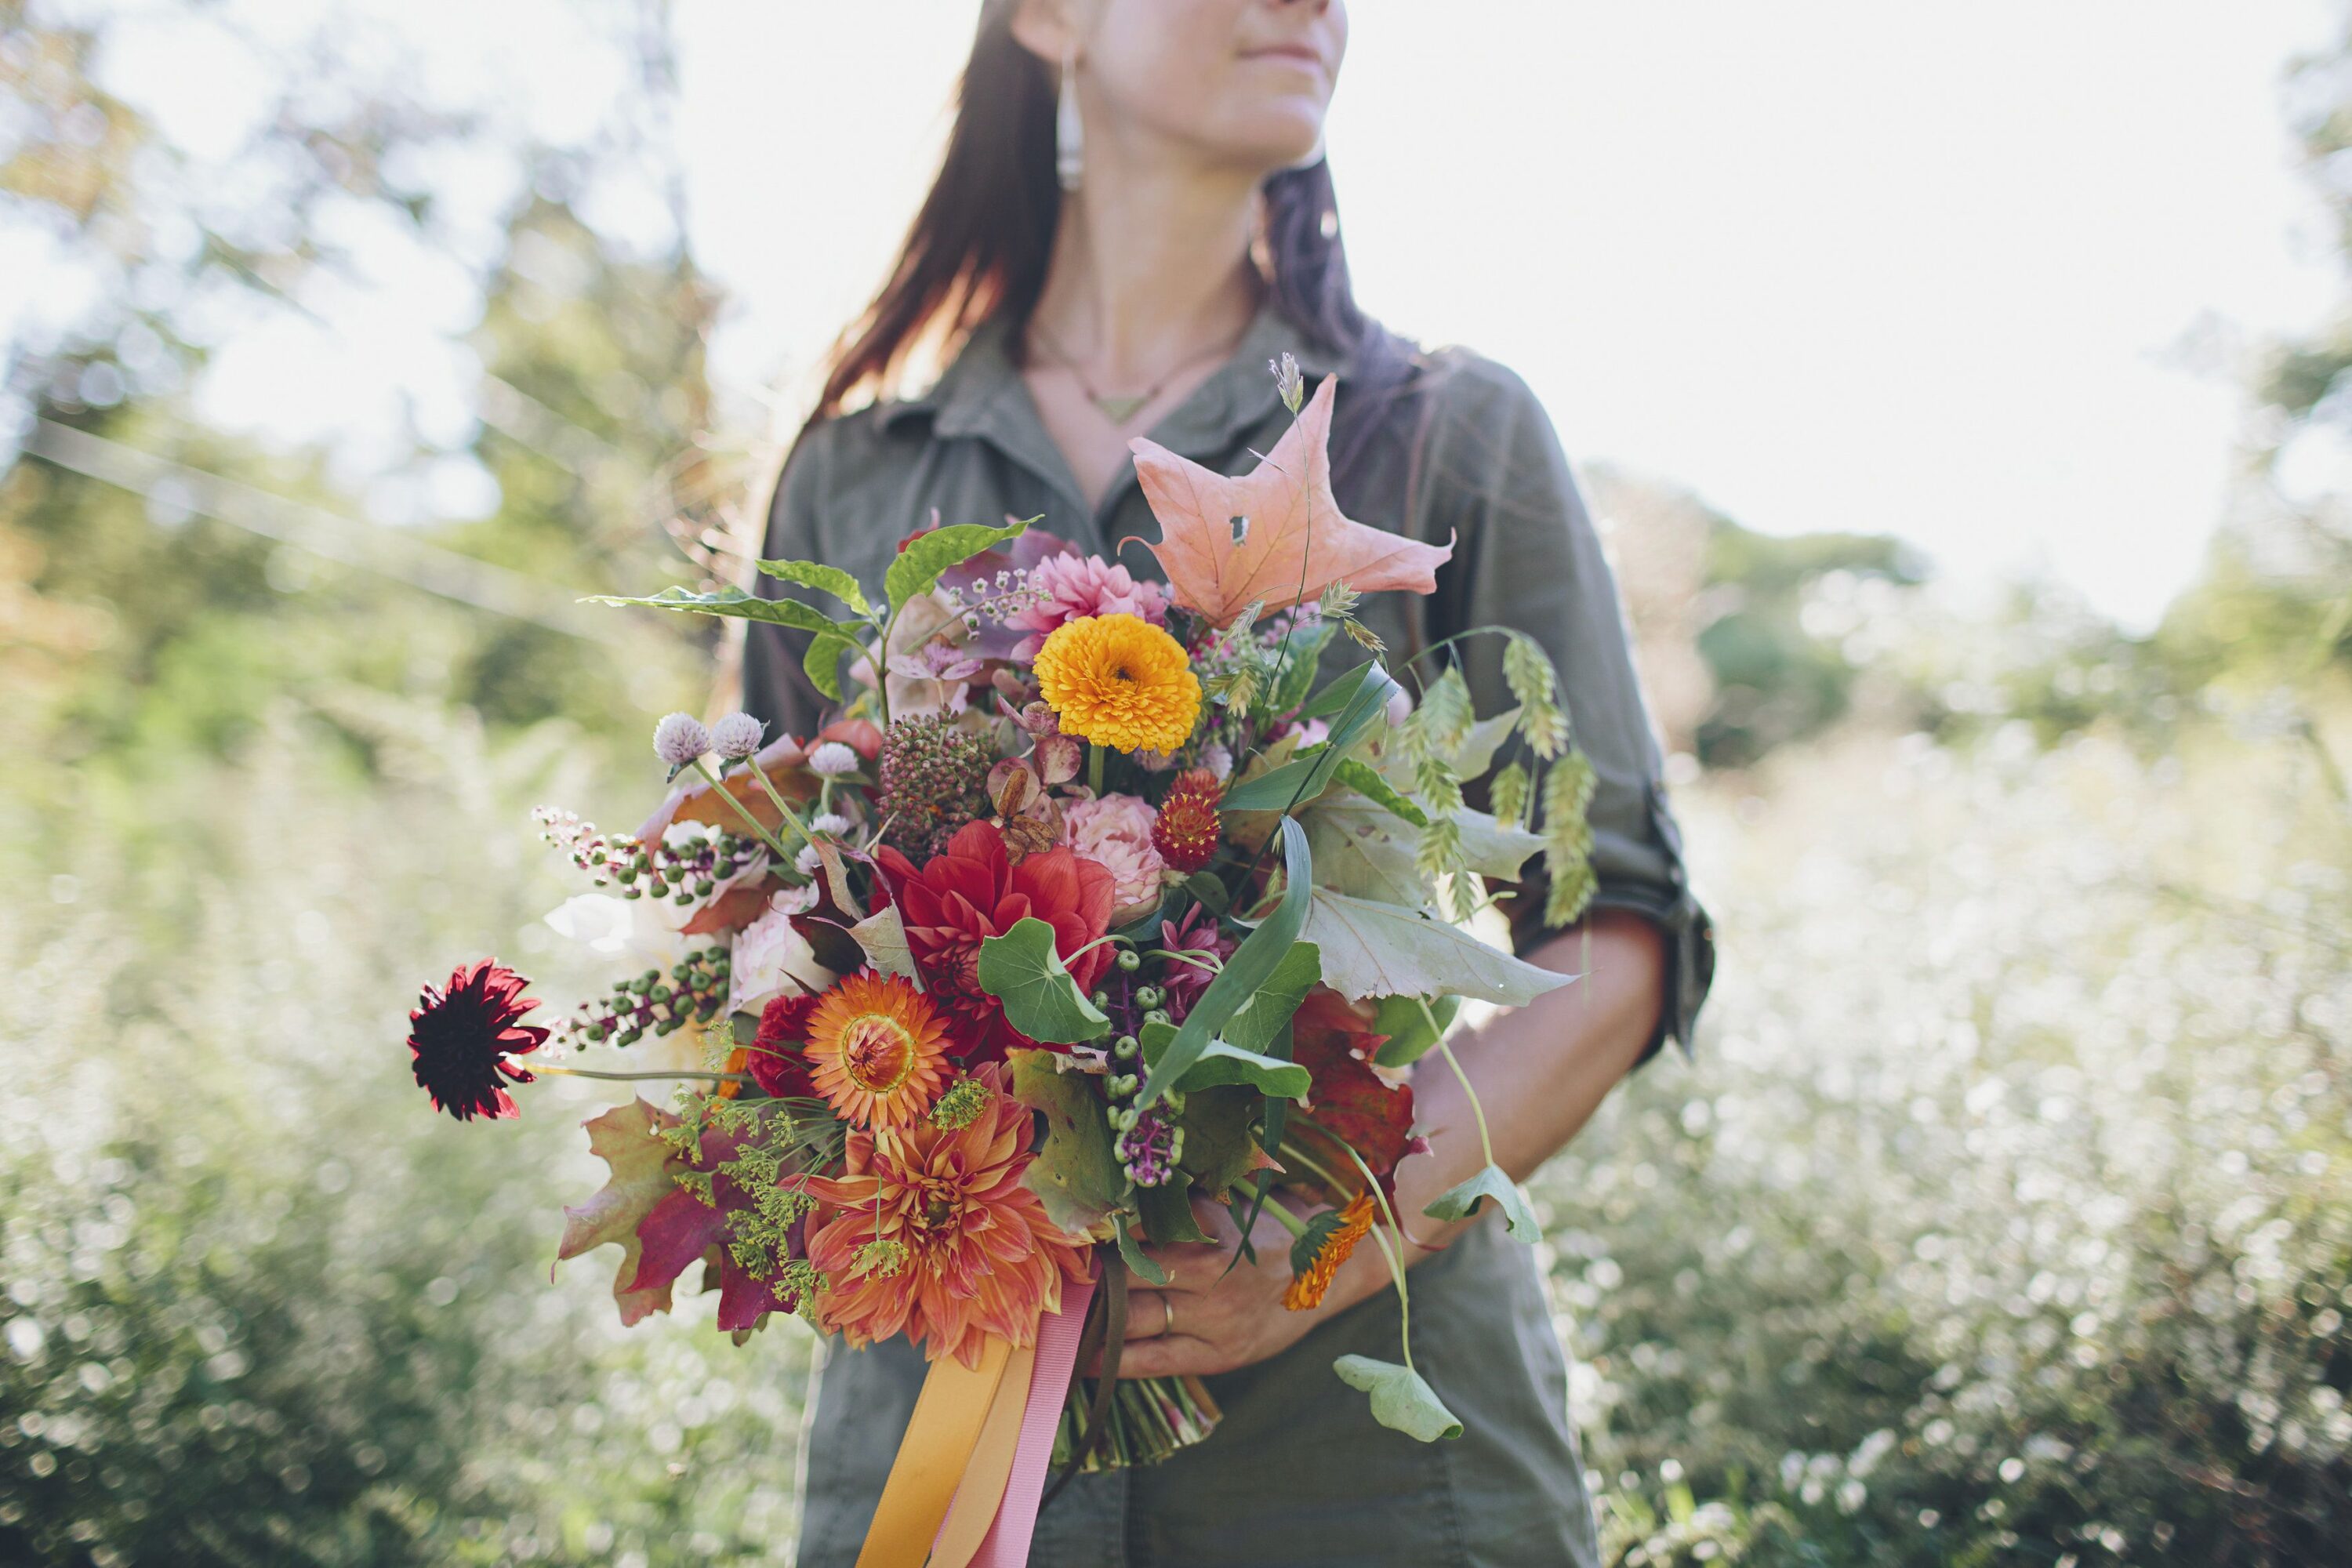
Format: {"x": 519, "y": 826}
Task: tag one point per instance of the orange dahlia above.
{"x": 1306, "y": 1290}
{"x": 931, "y": 1232}
{"x": 1119, "y": 681}
{"x": 877, "y": 1050}
{"x": 1185, "y": 831}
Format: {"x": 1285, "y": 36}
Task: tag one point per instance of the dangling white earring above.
{"x": 1069, "y": 132}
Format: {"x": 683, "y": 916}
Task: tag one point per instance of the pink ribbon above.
{"x": 1006, "y": 1545}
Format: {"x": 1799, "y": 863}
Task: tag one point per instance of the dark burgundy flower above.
{"x": 778, "y": 1059}
{"x": 462, "y": 1040}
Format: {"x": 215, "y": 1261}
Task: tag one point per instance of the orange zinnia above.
{"x": 877, "y": 1050}
{"x": 1306, "y": 1290}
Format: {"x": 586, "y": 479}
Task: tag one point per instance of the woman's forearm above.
{"x": 1540, "y": 1071}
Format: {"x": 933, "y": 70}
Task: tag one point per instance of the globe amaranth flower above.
{"x": 679, "y": 739}
{"x": 1115, "y": 832}
{"x": 1307, "y": 1289}
{"x": 737, "y": 736}
{"x": 1185, "y": 831}
{"x": 966, "y": 1250}
{"x": 959, "y": 898}
{"x": 462, "y": 1040}
{"x": 831, "y": 759}
{"x": 1065, "y": 588}
{"x": 1120, "y": 682}
{"x": 877, "y": 1050}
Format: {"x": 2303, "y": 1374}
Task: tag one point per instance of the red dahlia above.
{"x": 461, "y": 1039}
{"x": 1185, "y": 833}
{"x": 973, "y": 891}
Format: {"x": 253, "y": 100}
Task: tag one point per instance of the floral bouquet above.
{"x": 1091, "y": 903}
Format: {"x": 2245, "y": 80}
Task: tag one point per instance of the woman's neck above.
{"x": 1151, "y": 271}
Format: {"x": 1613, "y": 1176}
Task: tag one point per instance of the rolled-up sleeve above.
{"x": 1527, "y": 556}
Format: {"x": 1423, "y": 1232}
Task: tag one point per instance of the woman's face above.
{"x": 1240, "y": 81}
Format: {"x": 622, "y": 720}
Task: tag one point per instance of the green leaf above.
{"x": 1221, "y": 1063}
{"x": 1401, "y": 1401}
{"x": 1077, "y": 1173}
{"x": 1206, "y": 887}
{"x": 1373, "y": 949}
{"x": 1462, "y": 1202}
{"x": 742, "y": 607}
{"x": 1410, "y": 1037}
{"x": 1258, "y": 1022}
{"x": 1252, "y": 965}
{"x": 1022, "y": 970}
{"x": 1491, "y": 848}
{"x": 882, "y": 937}
{"x": 1219, "y": 1146}
{"x": 823, "y": 662}
{"x": 1132, "y": 1255}
{"x": 1365, "y": 850}
{"x": 1339, "y": 693}
{"x": 914, "y": 569}
{"x": 1277, "y": 789}
{"x": 825, "y": 579}
{"x": 1167, "y": 1214}
{"x": 1296, "y": 676}
{"x": 1361, "y": 778}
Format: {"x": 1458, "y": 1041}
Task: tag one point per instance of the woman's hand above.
{"x": 1208, "y": 1319}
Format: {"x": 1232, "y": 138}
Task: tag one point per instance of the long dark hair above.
{"x": 979, "y": 246}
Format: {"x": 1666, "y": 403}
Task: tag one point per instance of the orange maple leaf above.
{"x": 1294, "y": 543}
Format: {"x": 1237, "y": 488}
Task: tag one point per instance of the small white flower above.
{"x": 807, "y": 859}
{"x": 1218, "y": 758}
{"x": 679, "y": 739}
{"x": 737, "y": 736}
{"x": 831, "y": 822}
{"x": 832, "y": 759}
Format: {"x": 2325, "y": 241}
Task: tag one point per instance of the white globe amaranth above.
{"x": 832, "y": 759}
{"x": 737, "y": 736}
{"x": 680, "y": 739}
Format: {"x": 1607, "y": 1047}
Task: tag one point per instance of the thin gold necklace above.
{"x": 1120, "y": 410}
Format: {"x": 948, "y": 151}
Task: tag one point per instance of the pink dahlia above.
{"x": 1115, "y": 833}
{"x": 934, "y": 1233}
{"x": 1068, "y": 588}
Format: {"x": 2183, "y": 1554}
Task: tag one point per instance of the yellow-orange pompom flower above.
{"x": 877, "y": 1050}
{"x": 1306, "y": 1290}
{"x": 1122, "y": 682}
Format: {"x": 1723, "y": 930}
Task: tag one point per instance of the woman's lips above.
{"x": 1296, "y": 54}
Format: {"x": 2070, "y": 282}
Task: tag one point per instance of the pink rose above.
{"x": 1115, "y": 832}
{"x": 1070, "y": 587}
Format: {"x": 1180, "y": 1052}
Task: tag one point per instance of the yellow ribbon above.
{"x": 982, "y": 1493}
{"x": 950, "y": 1415}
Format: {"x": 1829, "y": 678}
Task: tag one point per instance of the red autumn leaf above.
{"x": 682, "y": 1228}
{"x": 645, "y": 1175}
{"x": 1348, "y": 1101}
{"x": 736, "y": 908}
{"x": 1296, "y": 543}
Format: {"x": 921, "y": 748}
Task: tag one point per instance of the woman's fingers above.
{"x": 1148, "y": 1315}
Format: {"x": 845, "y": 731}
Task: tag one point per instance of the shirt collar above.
{"x": 980, "y": 393}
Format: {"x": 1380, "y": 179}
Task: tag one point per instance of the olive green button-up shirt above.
{"x": 1465, "y": 454}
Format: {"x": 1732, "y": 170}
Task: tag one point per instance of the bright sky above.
{"x": 1837, "y": 264}
{"x": 1832, "y": 264}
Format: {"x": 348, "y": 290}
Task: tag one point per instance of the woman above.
{"x": 1133, "y": 217}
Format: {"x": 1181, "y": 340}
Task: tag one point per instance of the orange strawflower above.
{"x": 1122, "y": 682}
{"x": 931, "y": 1231}
{"x": 1307, "y": 1290}
{"x": 877, "y": 1050}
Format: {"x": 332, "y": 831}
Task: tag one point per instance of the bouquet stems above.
{"x": 1151, "y": 1418}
